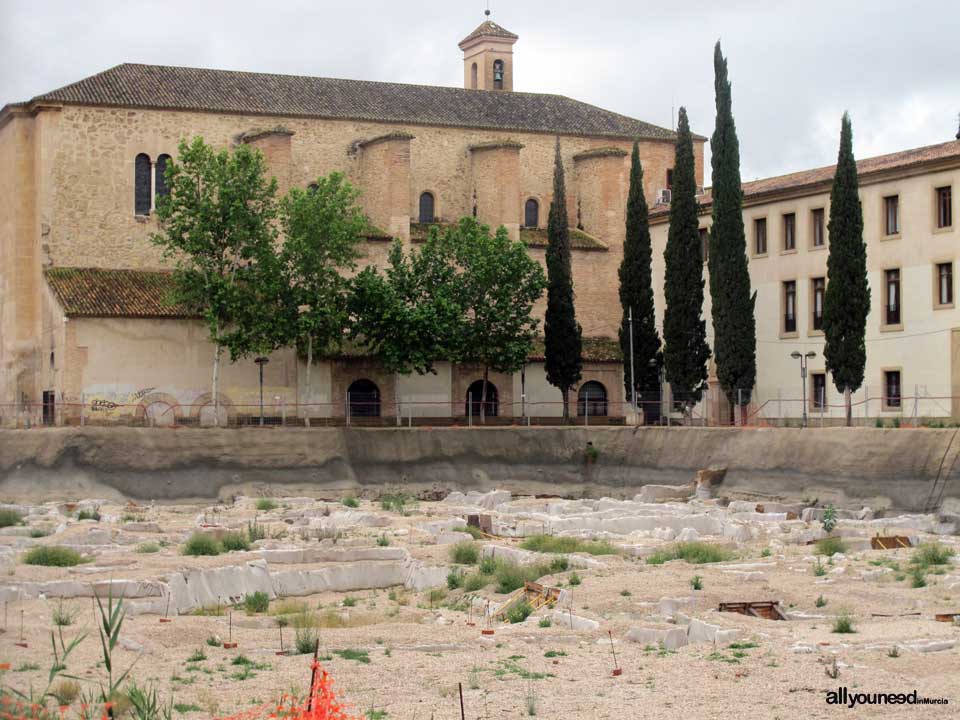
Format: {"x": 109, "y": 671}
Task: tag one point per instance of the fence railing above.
{"x": 710, "y": 410}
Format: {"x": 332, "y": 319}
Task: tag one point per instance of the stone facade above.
{"x": 67, "y": 200}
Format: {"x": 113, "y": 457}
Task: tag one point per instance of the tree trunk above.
{"x": 216, "y": 377}
{"x": 396, "y": 398}
{"x": 566, "y": 405}
{"x": 847, "y": 400}
{"x": 306, "y": 418}
{"x": 483, "y": 397}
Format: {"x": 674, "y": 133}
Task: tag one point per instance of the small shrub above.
{"x": 9, "y": 518}
{"x": 350, "y": 501}
{"x": 395, "y": 502}
{"x": 476, "y": 581}
{"x": 559, "y": 564}
{"x": 545, "y": 622}
{"x": 574, "y": 579}
{"x": 487, "y": 566}
{"x": 198, "y": 656}
{"x": 519, "y": 612}
{"x": 234, "y": 541}
{"x": 766, "y": 552}
{"x": 184, "y": 708}
{"x": 695, "y": 553}
{"x": 696, "y": 582}
{"x": 918, "y": 577}
{"x": 147, "y": 548}
{"x": 349, "y": 601}
{"x": 554, "y": 544}
{"x": 266, "y": 504}
{"x": 89, "y": 514}
{"x": 818, "y": 569}
{"x": 625, "y": 593}
{"x": 843, "y": 624}
{"x": 52, "y": 556}
{"x": 383, "y": 541}
{"x": 829, "y": 521}
{"x": 214, "y": 641}
{"x": 454, "y": 579}
{"x": 436, "y": 596}
{"x": 38, "y": 532}
{"x": 255, "y": 531}
{"x": 65, "y": 692}
{"x": 893, "y": 652}
{"x": 932, "y": 554}
{"x": 464, "y": 553}
{"x": 257, "y": 602}
{"x": 305, "y": 640}
{"x": 63, "y": 617}
{"x": 830, "y": 546}
{"x": 554, "y": 653}
{"x": 821, "y": 601}
{"x": 201, "y": 544}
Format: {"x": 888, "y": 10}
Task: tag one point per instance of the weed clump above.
{"x": 202, "y": 544}
{"x": 9, "y": 518}
{"x": 464, "y": 553}
{"x": 843, "y": 624}
{"x": 52, "y": 556}
{"x": 830, "y": 546}
{"x": 266, "y": 504}
{"x": 554, "y": 544}
{"x": 695, "y": 553}
{"x": 257, "y": 602}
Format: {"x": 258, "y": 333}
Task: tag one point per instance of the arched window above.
{"x": 141, "y": 184}
{"x": 364, "y": 398}
{"x": 531, "y": 214}
{"x": 592, "y": 399}
{"x": 473, "y": 77}
{"x": 475, "y": 399}
{"x": 498, "y": 74}
{"x": 427, "y": 214}
{"x": 161, "y": 170}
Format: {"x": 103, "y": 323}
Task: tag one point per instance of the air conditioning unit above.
{"x": 664, "y": 196}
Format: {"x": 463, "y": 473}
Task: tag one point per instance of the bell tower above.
{"x": 488, "y": 57}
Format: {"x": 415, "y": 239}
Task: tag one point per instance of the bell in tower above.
{"x": 488, "y": 57}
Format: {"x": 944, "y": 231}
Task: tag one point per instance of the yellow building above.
{"x": 913, "y": 330}
{"x": 84, "y": 331}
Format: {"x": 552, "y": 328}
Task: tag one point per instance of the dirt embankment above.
{"x": 902, "y": 468}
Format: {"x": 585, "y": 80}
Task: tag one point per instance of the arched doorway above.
{"x": 427, "y": 208}
{"x": 364, "y": 398}
{"x": 592, "y": 399}
{"x": 474, "y": 399}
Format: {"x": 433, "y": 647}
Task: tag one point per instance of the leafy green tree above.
{"x": 846, "y": 303}
{"x": 217, "y": 225}
{"x": 636, "y": 291}
{"x": 498, "y": 284}
{"x": 684, "y": 329}
{"x": 321, "y": 229}
{"x": 563, "y": 336}
{"x": 734, "y": 323}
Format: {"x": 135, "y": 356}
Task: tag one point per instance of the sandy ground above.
{"x": 418, "y": 654}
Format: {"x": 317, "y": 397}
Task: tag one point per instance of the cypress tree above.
{"x": 563, "y": 336}
{"x": 734, "y": 324}
{"x": 846, "y": 302}
{"x": 684, "y": 329}
{"x": 636, "y": 292}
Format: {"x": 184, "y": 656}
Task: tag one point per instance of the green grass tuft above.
{"x": 266, "y": 504}
{"x": 9, "y": 518}
{"x": 932, "y": 554}
{"x": 843, "y": 624}
{"x": 147, "y": 548}
{"x": 233, "y": 541}
{"x": 465, "y": 553}
{"x": 830, "y": 545}
{"x": 519, "y": 612}
{"x": 52, "y": 556}
{"x": 350, "y": 501}
{"x": 360, "y": 656}
{"x": 696, "y": 553}
{"x": 554, "y": 544}
{"x": 257, "y": 602}
{"x": 202, "y": 544}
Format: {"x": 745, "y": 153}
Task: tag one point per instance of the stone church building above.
{"x": 85, "y": 332}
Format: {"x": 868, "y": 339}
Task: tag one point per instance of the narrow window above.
{"x": 816, "y": 220}
{"x": 473, "y": 77}
{"x": 498, "y": 74}
{"x": 669, "y": 178}
{"x": 531, "y": 214}
{"x": 819, "y": 398}
{"x": 790, "y": 231}
{"x": 141, "y": 184}
{"x": 892, "y": 304}
{"x": 818, "y": 288}
{"x": 760, "y": 236}
{"x": 891, "y": 214}
{"x": 790, "y": 306}
{"x": 705, "y": 244}
{"x": 891, "y": 389}
{"x": 945, "y": 283}
{"x": 161, "y": 170}
{"x": 427, "y": 214}
{"x": 944, "y": 207}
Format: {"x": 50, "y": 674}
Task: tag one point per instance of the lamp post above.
{"x": 633, "y": 384}
{"x": 261, "y": 361}
{"x": 803, "y": 357}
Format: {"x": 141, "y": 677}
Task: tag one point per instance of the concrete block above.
{"x": 701, "y": 632}
{"x": 565, "y": 619}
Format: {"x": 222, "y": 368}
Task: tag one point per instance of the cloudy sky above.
{"x": 795, "y": 65}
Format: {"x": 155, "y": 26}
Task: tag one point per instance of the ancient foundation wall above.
{"x": 883, "y": 468}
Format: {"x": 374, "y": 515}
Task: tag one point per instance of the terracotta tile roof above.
{"x": 820, "y": 179}
{"x": 176, "y": 88}
{"x": 488, "y": 28}
{"x": 97, "y": 292}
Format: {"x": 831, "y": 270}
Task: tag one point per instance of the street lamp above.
{"x": 796, "y": 355}
{"x": 261, "y": 361}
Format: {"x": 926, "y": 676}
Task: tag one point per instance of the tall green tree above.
{"x": 846, "y": 303}
{"x": 563, "y": 336}
{"x": 321, "y": 229}
{"x": 734, "y": 323}
{"x": 684, "y": 329}
{"x": 217, "y": 226}
{"x": 498, "y": 284}
{"x": 636, "y": 292}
